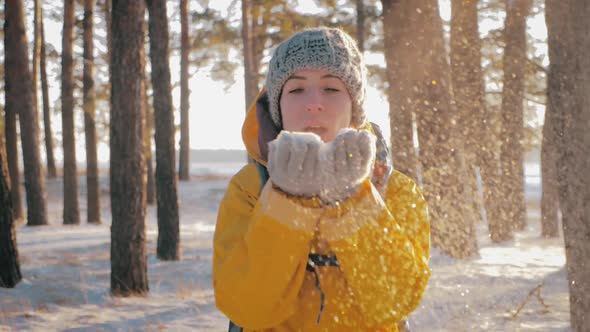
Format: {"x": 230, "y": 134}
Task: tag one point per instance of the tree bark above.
{"x": 399, "y": 56}
{"x": 127, "y": 159}
{"x": 426, "y": 93}
{"x": 19, "y": 98}
{"x": 108, "y": 19}
{"x": 360, "y": 25}
{"x": 468, "y": 87}
{"x": 151, "y": 180}
{"x": 148, "y": 137}
{"x": 257, "y": 41}
{"x": 71, "y": 212}
{"x": 558, "y": 97}
{"x": 51, "y": 170}
{"x": 184, "y": 162}
{"x": 92, "y": 186}
{"x": 250, "y": 76}
{"x": 550, "y": 195}
{"x": 512, "y": 155}
{"x": 568, "y": 86}
{"x": 36, "y": 56}
{"x": 10, "y": 273}
{"x": 168, "y": 220}
{"x": 11, "y": 136}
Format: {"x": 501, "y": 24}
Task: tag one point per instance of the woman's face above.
{"x": 315, "y": 101}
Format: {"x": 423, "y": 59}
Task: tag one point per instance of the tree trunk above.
{"x": 550, "y": 196}
{"x": 360, "y": 25}
{"x": 558, "y": 97}
{"x": 151, "y": 180}
{"x": 36, "y": 56}
{"x": 127, "y": 162}
{"x": 426, "y": 92}
{"x": 9, "y": 266}
{"x": 399, "y": 55}
{"x": 257, "y": 41}
{"x": 51, "y": 170}
{"x": 71, "y": 213}
{"x": 148, "y": 137}
{"x": 108, "y": 18}
{"x": 92, "y": 186}
{"x": 468, "y": 88}
{"x": 168, "y": 223}
{"x": 19, "y": 98}
{"x": 11, "y": 136}
{"x": 250, "y": 76}
{"x": 184, "y": 162}
{"x": 512, "y": 158}
{"x": 568, "y": 86}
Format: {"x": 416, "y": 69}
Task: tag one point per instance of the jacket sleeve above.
{"x": 261, "y": 246}
{"x": 383, "y": 247}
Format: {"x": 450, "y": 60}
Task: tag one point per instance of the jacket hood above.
{"x": 259, "y": 129}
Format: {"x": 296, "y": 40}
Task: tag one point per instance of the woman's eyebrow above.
{"x": 329, "y": 76}
{"x": 295, "y": 77}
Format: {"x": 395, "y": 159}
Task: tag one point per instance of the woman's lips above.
{"x": 316, "y": 130}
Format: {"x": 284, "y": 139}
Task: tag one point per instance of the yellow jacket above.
{"x": 263, "y": 238}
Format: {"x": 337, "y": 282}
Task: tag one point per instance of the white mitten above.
{"x": 302, "y": 165}
{"x": 293, "y": 163}
{"x": 346, "y": 163}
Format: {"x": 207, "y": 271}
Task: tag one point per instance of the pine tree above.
{"x": 184, "y": 159}
{"x": 19, "y": 98}
{"x": 468, "y": 93}
{"x": 10, "y": 273}
{"x": 398, "y": 53}
{"x": 127, "y": 160}
{"x": 10, "y": 122}
{"x": 51, "y": 170}
{"x": 568, "y": 85}
{"x": 248, "y": 39}
{"x": 148, "y": 137}
{"x": 92, "y": 186}
{"x": 360, "y": 25}
{"x": 168, "y": 220}
{"x": 557, "y": 95}
{"x": 511, "y": 157}
{"x": 71, "y": 212}
{"x": 423, "y": 84}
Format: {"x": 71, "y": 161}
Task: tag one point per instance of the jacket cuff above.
{"x": 347, "y": 218}
{"x": 288, "y": 210}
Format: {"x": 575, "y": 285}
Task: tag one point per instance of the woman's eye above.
{"x": 331, "y": 90}
{"x": 296, "y": 90}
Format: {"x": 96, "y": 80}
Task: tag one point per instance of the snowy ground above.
{"x": 66, "y": 274}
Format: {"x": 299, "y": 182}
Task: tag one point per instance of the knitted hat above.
{"x": 329, "y": 49}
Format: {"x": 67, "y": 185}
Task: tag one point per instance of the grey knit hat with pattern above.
{"x": 329, "y": 49}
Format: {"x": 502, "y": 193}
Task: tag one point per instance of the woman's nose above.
{"x": 315, "y": 107}
{"x": 314, "y": 102}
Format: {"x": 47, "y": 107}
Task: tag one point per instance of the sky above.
{"x": 216, "y": 114}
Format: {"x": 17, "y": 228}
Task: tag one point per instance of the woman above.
{"x": 318, "y": 234}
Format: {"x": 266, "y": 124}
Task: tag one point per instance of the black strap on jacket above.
{"x": 314, "y": 260}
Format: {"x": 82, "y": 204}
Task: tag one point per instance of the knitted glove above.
{"x": 346, "y": 163}
{"x": 302, "y": 165}
{"x": 293, "y": 163}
